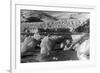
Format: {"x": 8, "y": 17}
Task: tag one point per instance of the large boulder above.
{"x": 46, "y": 45}
{"x": 50, "y": 43}
{"x": 83, "y": 50}
{"x": 28, "y": 43}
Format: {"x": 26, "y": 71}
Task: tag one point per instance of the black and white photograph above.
{"x": 48, "y": 36}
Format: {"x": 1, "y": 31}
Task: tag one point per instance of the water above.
{"x": 57, "y": 55}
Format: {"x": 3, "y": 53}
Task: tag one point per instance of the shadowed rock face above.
{"x": 33, "y": 19}
{"x": 84, "y": 28}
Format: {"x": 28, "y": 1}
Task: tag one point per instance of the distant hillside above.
{"x": 54, "y": 20}
{"x": 36, "y": 16}
{"x": 65, "y": 23}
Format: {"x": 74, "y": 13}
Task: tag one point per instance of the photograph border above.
{"x": 15, "y": 29}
